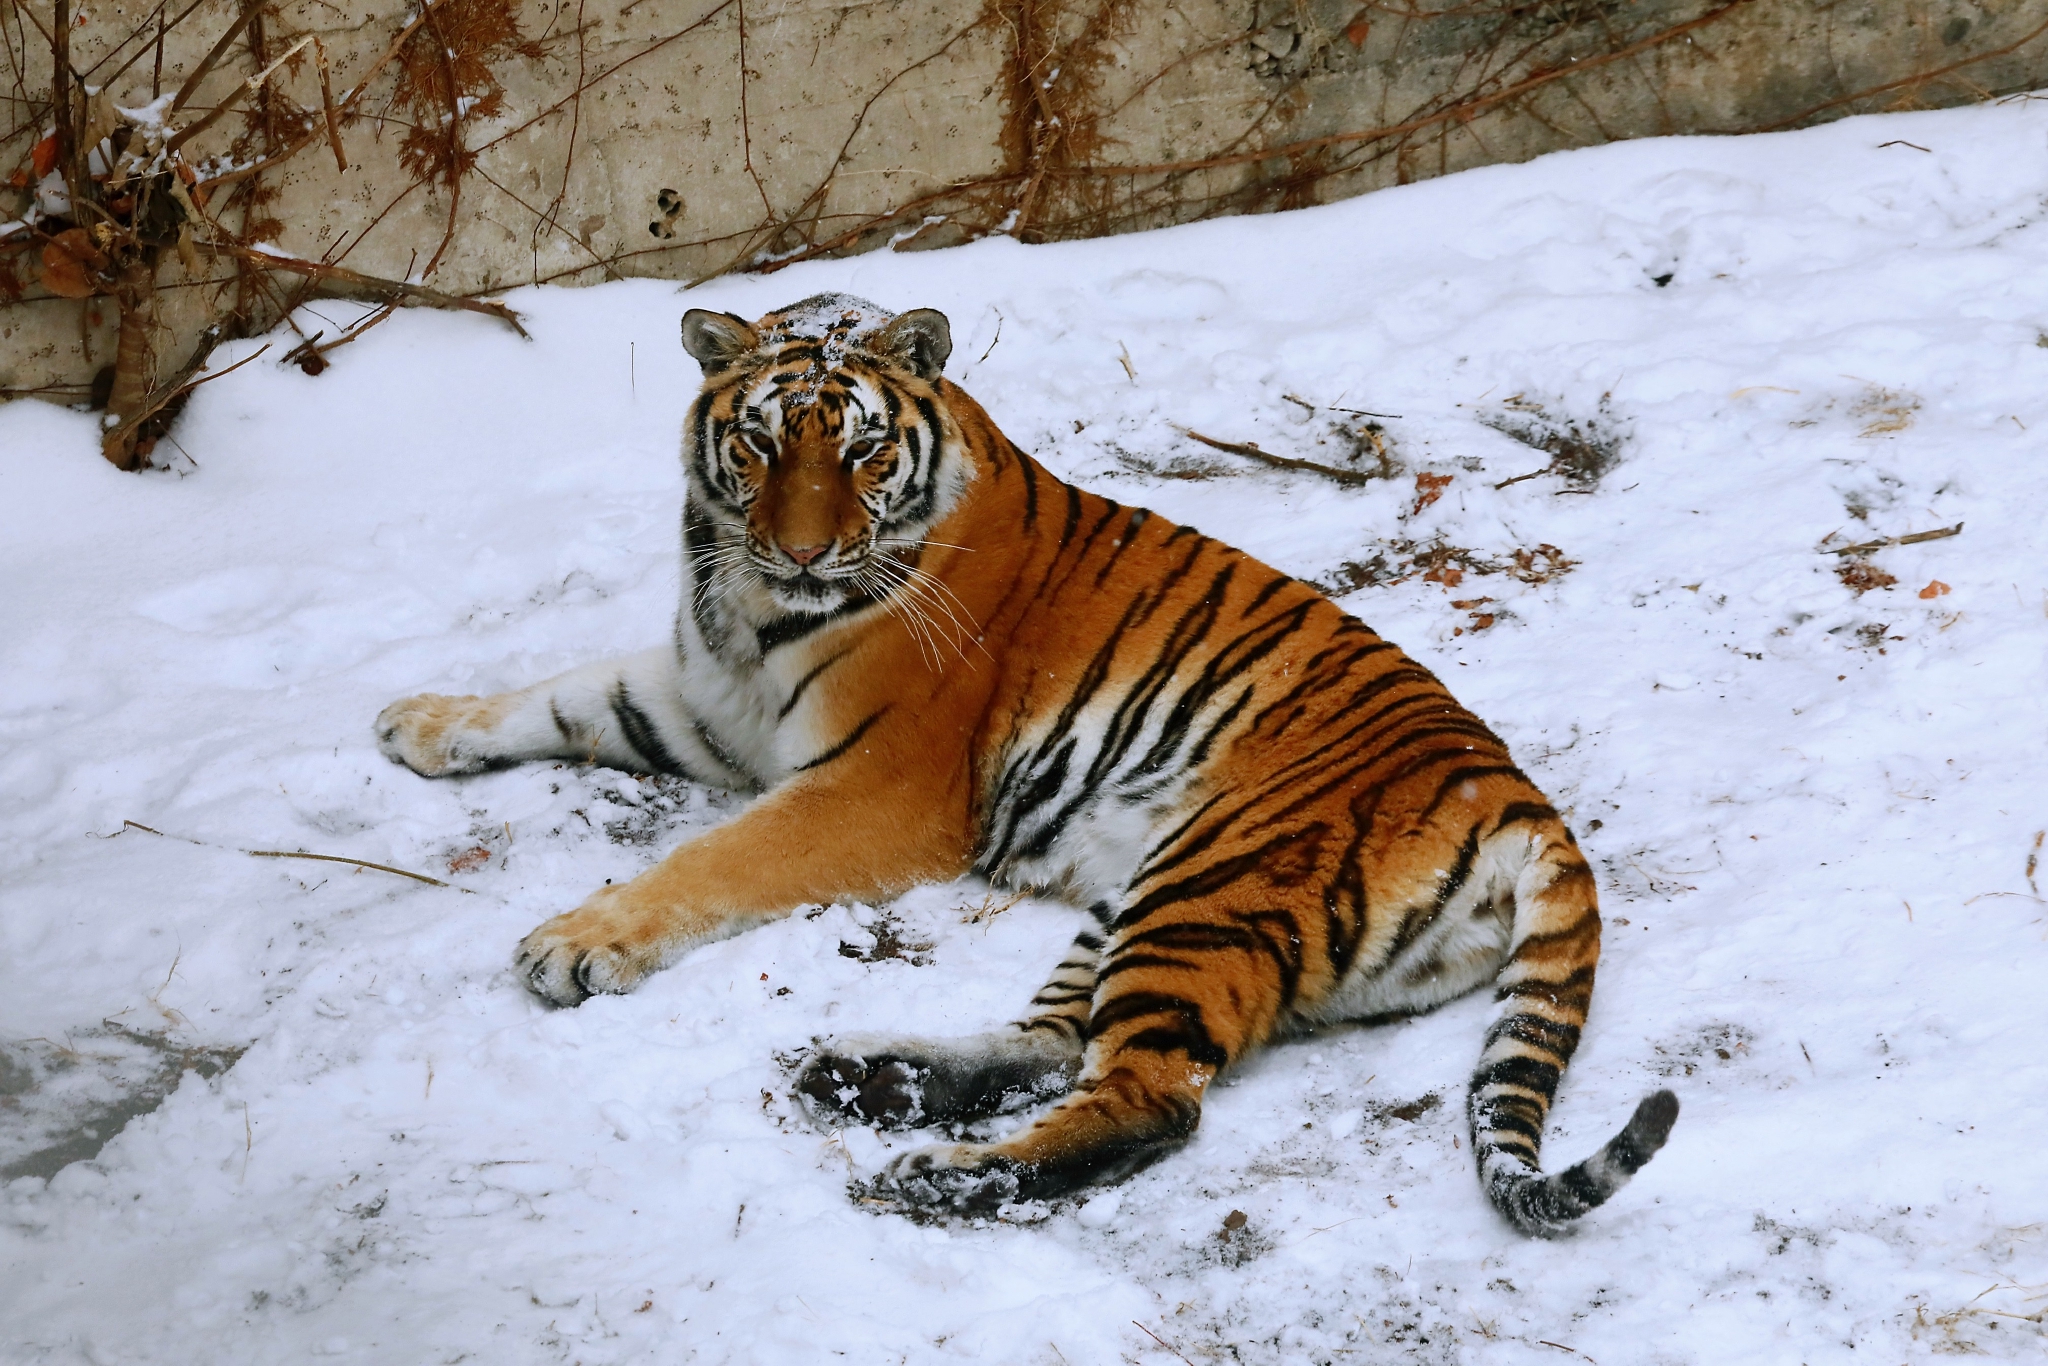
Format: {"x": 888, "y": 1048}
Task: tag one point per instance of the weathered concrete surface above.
{"x": 862, "y": 123}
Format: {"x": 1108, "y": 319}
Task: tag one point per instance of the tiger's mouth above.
{"x": 817, "y": 587}
{"x": 807, "y": 592}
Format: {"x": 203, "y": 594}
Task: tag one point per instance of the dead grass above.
{"x": 991, "y": 906}
{"x": 1582, "y": 450}
{"x": 2016, "y": 1309}
{"x": 1883, "y": 411}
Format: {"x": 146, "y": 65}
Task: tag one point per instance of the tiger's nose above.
{"x": 804, "y": 554}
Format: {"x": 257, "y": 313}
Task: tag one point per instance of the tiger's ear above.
{"x": 920, "y": 339}
{"x": 717, "y": 339}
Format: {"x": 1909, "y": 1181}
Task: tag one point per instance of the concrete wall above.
{"x": 631, "y": 138}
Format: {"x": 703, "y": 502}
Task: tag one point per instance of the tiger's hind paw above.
{"x": 958, "y": 1178}
{"x": 867, "y": 1084}
{"x": 900, "y": 1083}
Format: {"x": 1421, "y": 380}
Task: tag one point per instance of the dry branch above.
{"x": 227, "y": 101}
{"x": 1351, "y": 478}
{"x": 339, "y": 282}
{"x": 327, "y": 110}
{"x": 1160, "y": 1340}
{"x": 60, "y": 88}
{"x": 298, "y": 853}
{"x": 348, "y": 103}
{"x": 356, "y": 862}
{"x": 250, "y": 10}
{"x": 1865, "y": 547}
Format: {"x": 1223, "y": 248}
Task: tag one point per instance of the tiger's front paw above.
{"x": 594, "y": 948}
{"x": 961, "y": 1178}
{"x": 437, "y": 736}
{"x": 860, "y": 1078}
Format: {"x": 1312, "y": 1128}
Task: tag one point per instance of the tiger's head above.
{"x": 820, "y": 450}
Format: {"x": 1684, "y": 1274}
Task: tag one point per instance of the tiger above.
{"x": 934, "y": 659}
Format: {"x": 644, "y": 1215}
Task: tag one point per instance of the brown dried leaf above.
{"x": 1860, "y": 576}
{"x": 71, "y": 264}
{"x": 1429, "y": 488}
{"x": 469, "y": 860}
{"x": 1541, "y": 565}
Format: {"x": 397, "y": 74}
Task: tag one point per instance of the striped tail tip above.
{"x": 1545, "y": 1206}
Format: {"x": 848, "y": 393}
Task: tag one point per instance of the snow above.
{"x": 149, "y": 117}
{"x": 52, "y": 197}
{"x": 1812, "y": 809}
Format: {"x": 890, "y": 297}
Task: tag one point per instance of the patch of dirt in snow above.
{"x": 1706, "y": 1046}
{"x": 1376, "y": 1316}
{"x": 654, "y": 809}
{"x": 1438, "y": 561}
{"x": 883, "y": 936}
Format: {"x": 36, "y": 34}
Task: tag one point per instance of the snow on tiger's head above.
{"x": 821, "y": 443}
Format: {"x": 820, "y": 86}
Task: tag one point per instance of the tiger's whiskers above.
{"x": 921, "y": 591}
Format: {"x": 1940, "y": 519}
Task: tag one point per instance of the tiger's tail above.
{"x": 1543, "y": 991}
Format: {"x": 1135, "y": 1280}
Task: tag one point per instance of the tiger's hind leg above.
{"x": 1183, "y": 993}
{"x": 904, "y": 1082}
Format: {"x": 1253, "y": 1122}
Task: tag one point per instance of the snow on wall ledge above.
{"x": 1813, "y": 795}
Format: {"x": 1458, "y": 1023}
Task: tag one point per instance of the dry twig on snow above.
{"x": 1865, "y": 547}
{"x": 1350, "y": 478}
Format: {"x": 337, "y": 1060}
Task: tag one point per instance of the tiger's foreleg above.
{"x": 625, "y": 713}
{"x": 900, "y": 1082}
{"x": 820, "y": 837}
{"x": 1543, "y": 991}
{"x": 1182, "y": 994}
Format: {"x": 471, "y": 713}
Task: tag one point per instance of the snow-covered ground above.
{"x": 1815, "y": 809}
